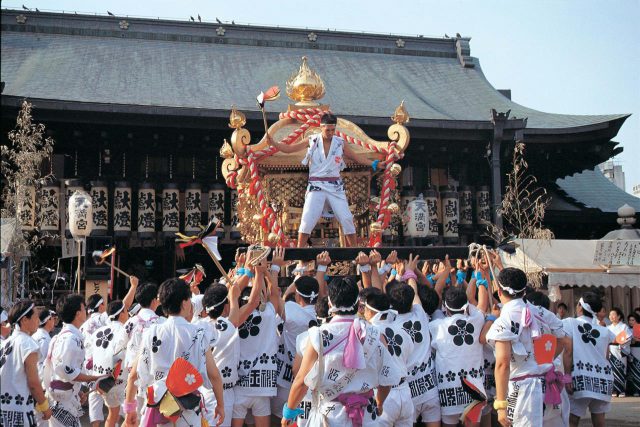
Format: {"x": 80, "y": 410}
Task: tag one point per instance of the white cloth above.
{"x": 302, "y": 341}
{"x": 65, "y": 362}
{"x": 257, "y": 372}
{"x": 17, "y": 404}
{"x": 592, "y": 376}
{"x": 325, "y": 198}
{"x": 421, "y": 365}
{"x": 108, "y": 346}
{"x": 43, "y": 339}
{"x": 298, "y": 319}
{"x": 95, "y": 321}
{"x": 398, "y": 408}
{"x": 380, "y": 369}
{"x": 524, "y": 396}
{"x": 459, "y": 354}
{"x": 134, "y": 328}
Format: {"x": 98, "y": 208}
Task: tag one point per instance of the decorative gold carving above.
{"x": 305, "y": 86}
{"x": 237, "y": 119}
{"x": 401, "y": 115}
{"x": 339, "y": 268}
{"x": 226, "y": 152}
{"x": 239, "y": 141}
{"x": 375, "y": 227}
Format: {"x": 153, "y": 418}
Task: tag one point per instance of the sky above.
{"x": 559, "y": 56}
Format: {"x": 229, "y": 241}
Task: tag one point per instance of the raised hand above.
{"x": 278, "y": 257}
{"x": 362, "y": 259}
{"x": 323, "y": 258}
{"x": 374, "y": 258}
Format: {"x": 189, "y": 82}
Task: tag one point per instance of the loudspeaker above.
{"x": 93, "y": 271}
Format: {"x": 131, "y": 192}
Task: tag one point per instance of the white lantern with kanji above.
{"x": 100, "y": 201}
{"x": 146, "y": 210}
{"x": 450, "y": 216}
{"x": 80, "y": 215}
{"x": 433, "y": 220}
{"x": 235, "y": 232}
{"x": 483, "y": 206}
{"x": 49, "y": 215}
{"x": 192, "y": 207}
{"x": 170, "y": 208}
{"x": 122, "y": 208}
{"x": 71, "y": 186}
{"x": 416, "y": 218}
{"x": 466, "y": 206}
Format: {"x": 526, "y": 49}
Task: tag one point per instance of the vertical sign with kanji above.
{"x": 466, "y": 206}
{"x": 216, "y": 203}
{"x": 450, "y": 214}
{"x": 100, "y": 287}
{"x": 50, "y": 208}
{"x": 27, "y": 206}
{"x": 483, "y": 206}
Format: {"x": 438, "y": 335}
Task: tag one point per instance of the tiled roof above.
{"x": 592, "y": 189}
{"x": 66, "y": 58}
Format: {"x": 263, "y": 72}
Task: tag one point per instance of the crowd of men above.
{"x": 403, "y": 343}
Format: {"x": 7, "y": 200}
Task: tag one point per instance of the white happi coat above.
{"x": 421, "y": 367}
{"x": 298, "y": 319}
{"x": 380, "y": 370}
{"x": 162, "y": 344}
{"x": 135, "y": 327}
{"x": 257, "y": 371}
{"x": 591, "y": 374}
{"x": 459, "y": 354}
{"x": 302, "y": 341}
{"x": 16, "y": 402}
{"x": 400, "y": 346}
{"x": 95, "y": 321}
{"x": 65, "y": 361}
{"x": 549, "y": 323}
{"x": 321, "y": 165}
{"x": 43, "y": 339}
{"x": 108, "y": 346}
{"x": 525, "y": 398}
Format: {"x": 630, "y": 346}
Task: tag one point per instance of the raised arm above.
{"x": 131, "y": 293}
{"x": 286, "y": 148}
{"x": 323, "y": 259}
{"x": 374, "y": 260}
{"x": 352, "y": 155}
{"x": 365, "y": 269}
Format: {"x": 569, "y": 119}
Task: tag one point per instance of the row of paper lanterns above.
{"x": 52, "y": 204}
{"x": 452, "y": 209}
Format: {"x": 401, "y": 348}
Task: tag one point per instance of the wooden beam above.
{"x": 343, "y": 254}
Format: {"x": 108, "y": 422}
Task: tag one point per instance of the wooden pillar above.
{"x": 498, "y": 120}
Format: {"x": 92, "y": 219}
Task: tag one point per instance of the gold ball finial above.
{"x": 393, "y": 208}
{"x": 375, "y": 227}
{"x": 401, "y": 115}
{"x": 305, "y": 86}
{"x": 236, "y": 119}
{"x": 395, "y": 169}
{"x": 257, "y": 218}
{"x": 273, "y": 238}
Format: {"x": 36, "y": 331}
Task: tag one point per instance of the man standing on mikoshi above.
{"x": 325, "y": 158}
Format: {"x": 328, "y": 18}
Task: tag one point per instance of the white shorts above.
{"x": 259, "y": 405}
{"x": 398, "y": 409}
{"x": 96, "y": 404}
{"x": 314, "y": 202}
{"x": 596, "y": 406}
{"x": 278, "y": 401}
{"x": 429, "y": 410}
{"x": 451, "y": 419}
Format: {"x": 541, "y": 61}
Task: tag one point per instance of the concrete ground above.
{"x": 625, "y": 412}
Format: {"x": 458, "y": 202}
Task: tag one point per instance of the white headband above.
{"x": 46, "y": 319}
{"x": 380, "y": 313}
{"x": 311, "y": 296}
{"x": 333, "y": 309}
{"x": 95, "y": 307}
{"x": 218, "y": 304}
{"x": 463, "y": 308}
{"x": 24, "y": 313}
{"x": 117, "y": 313}
{"x": 586, "y": 306}
{"x": 510, "y": 290}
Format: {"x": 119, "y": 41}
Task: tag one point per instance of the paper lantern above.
{"x": 192, "y": 208}
{"x": 100, "y": 201}
{"x": 466, "y": 206}
{"x": 27, "y": 207}
{"x": 122, "y": 208}
{"x": 450, "y": 215}
{"x": 80, "y": 215}
{"x": 170, "y": 208}
{"x": 49, "y": 217}
{"x": 433, "y": 221}
{"x": 483, "y": 206}
{"x": 406, "y": 197}
{"x": 71, "y": 186}
{"x": 416, "y": 218}
{"x": 216, "y": 202}
{"x": 146, "y": 210}
{"x": 235, "y": 232}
